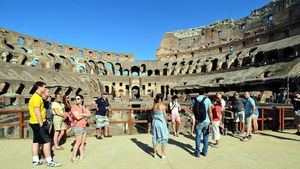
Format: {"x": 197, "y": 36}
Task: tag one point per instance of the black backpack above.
{"x": 199, "y": 110}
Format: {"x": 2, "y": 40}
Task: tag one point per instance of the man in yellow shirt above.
{"x": 38, "y": 123}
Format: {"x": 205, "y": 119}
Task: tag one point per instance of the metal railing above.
{"x": 130, "y": 121}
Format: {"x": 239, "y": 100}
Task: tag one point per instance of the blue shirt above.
{"x": 248, "y": 106}
{"x": 207, "y": 104}
{"x": 102, "y": 104}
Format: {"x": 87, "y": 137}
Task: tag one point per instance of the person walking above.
{"x": 202, "y": 108}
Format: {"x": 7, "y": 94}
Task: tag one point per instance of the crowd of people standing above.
{"x": 52, "y": 120}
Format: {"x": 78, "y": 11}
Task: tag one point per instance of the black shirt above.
{"x": 101, "y": 104}
{"x": 238, "y": 105}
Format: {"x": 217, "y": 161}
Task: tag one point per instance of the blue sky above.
{"x": 129, "y": 26}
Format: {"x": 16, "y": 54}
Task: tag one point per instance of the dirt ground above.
{"x": 266, "y": 150}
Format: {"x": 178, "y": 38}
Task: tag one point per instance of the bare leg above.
{"x": 255, "y": 125}
{"x": 55, "y": 138}
{"x": 149, "y": 127}
{"x": 98, "y": 132}
{"x": 47, "y": 150}
{"x": 82, "y": 146}
{"x": 78, "y": 140}
{"x": 243, "y": 127}
{"x": 177, "y": 127}
{"x": 193, "y": 125}
{"x": 61, "y": 134}
{"x": 236, "y": 126}
{"x": 173, "y": 127}
{"x": 154, "y": 150}
{"x": 35, "y": 149}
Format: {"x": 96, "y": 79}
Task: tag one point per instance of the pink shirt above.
{"x": 79, "y": 120}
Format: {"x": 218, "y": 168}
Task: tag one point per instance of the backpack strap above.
{"x": 202, "y": 101}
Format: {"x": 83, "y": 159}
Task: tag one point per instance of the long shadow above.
{"x": 187, "y": 147}
{"x": 145, "y": 147}
{"x": 189, "y": 136}
{"x": 279, "y": 137}
{"x": 239, "y": 137}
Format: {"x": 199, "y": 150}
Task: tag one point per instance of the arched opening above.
{"x": 78, "y": 91}
{"x": 214, "y": 64}
{"x": 143, "y": 68}
{"x": 203, "y": 68}
{"x": 235, "y": 64}
{"x": 157, "y": 72}
{"x": 272, "y": 57}
{"x": 57, "y": 66}
{"x": 24, "y": 60}
{"x": 259, "y": 58}
{"x": 34, "y": 62}
{"x": 135, "y": 71}
{"x": 9, "y": 57}
{"x": 162, "y": 90}
{"x": 121, "y": 92}
{"x": 288, "y": 52}
{"x": 69, "y": 90}
{"x": 57, "y": 90}
{"x": 165, "y": 71}
{"x": 110, "y": 66}
{"x": 4, "y": 86}
{"x": 150, "y": 72}
{"x": 20, "y": 89}
{"x": 126, "y": 72}
{"x": 118, "y": 70}
{"x": 224, "y": 65}
{"x": 246, "y": 61}
{"x": 135, "y": 90}
{"x": 80, "y": 69}
{"x": 106, "y": 88}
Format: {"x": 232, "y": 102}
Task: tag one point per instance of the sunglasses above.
{"x": 77, "y": 98}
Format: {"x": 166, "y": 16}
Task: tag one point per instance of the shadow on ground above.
{"x": 145, "y": 147}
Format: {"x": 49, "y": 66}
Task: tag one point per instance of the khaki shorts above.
{"x": 101, "y": 121}
{"x": 58, "y": 123}
{"x": 249, "y": 119}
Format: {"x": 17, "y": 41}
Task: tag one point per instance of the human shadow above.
{"x": 187, "y": 147}
{"x": 279, "y": 137}
{"x": 189, "y": 136}
{"x": 145, "y": 147}
{"x": 239, "y": 137}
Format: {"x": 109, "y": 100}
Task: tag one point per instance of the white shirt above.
{"x": 176, "y": 107}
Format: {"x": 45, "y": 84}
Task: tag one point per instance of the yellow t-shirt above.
{"x": 36, "y": 100}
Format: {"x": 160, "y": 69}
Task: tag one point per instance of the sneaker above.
{"x": 203, "y": 154}
{"x": 74, "y": 161}
{"x": 37, "y": 163}
{"x": 250, "y": 137}
{"x": 163, "y": 156}
{"x": 108, "y": 136}
{"x": 99, "y": 138}
{"x": 53, "y": 164}
{"x": 177, "y": 134}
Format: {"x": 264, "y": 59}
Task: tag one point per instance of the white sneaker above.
{"x": 163, "y": 156}
{"x": 53, "y": 164}
{"x": 37, "y": 163}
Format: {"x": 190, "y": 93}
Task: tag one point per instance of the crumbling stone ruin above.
{"x": 258, "y": 53}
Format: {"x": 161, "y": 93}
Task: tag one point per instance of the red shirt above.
{"x": 217, "y": 112}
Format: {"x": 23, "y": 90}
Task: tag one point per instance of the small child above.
{"x": 217, "y": 121}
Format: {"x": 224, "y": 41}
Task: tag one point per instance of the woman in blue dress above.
{"x": 159, "y": 126}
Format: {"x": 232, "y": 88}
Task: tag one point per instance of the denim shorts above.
{"x": 78, "y": 130}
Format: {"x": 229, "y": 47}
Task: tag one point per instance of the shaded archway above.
{"x": 259, "y": 58}
{"x": 135, "y": 71}
{"x": 4, "y": 86}
{"x": 288, "y": 52}
{"x": 135, "y": 90}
